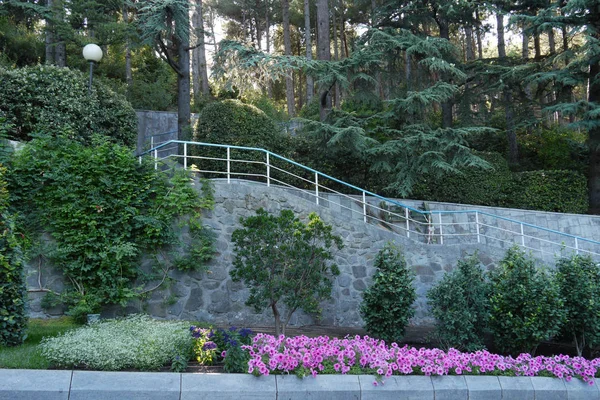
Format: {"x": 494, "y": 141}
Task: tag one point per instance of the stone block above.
{"x": 359, "y": 285}
{"x": 227, "y": 387}
{"x": 450, "y": 388}
{"x": 397, "y": 387}
{"x": 94, "y": 385}
{"x": 359, "y": 271}
{"x": 549, "y": 388}
{"x": 19, "y": 384}
{"x": 516, "y": 388}
{"x": 333, "y": 387}
{"x": 195, "y": 300}
{"x": 483, "y": 387}
{"x": 579, "y": 390}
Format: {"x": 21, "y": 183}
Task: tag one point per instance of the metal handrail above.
{"x": 435, "y": 226}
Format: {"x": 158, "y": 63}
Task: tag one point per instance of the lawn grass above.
{"x": 28, "y": 356}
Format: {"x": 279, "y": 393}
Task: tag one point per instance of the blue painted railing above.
{"x": 430, "y": 226}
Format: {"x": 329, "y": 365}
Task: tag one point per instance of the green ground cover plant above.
{"x": 28, "y": 355}
{"x": 136, "y": 341}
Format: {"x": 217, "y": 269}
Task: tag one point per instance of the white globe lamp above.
{"x": 92, "y": 53}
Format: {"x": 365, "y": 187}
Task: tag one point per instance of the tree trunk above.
{"x": 60, "y": 51}
{"x": 183, "y": 86}
{"x": 310, "y": 85}
{"x": 447, "y": 105}
{"x": 277, "y": 317}
{"x": 479, "y": 40}
{"x": 525, "y": 48}
{"x": 201, "y": 72}
{"x": 287, "y": 42}
{"x": 49, "y": 37}
{"x": 469, "y": 43}
{"x": 128, "y": 74}
{"x": 537, "y": 46}
{"x": 323, "y": 52}
{"x": 336, "y": 98}
{"x": 513, "y": 148}
{"x": 552, "y": 41}
{"x": 500, "y": 31}
{"x": 594, "y": 140}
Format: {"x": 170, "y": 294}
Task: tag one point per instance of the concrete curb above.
{"x": 92, "y": 385}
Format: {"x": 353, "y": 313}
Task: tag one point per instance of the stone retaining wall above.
{"x": 214, "y": 297}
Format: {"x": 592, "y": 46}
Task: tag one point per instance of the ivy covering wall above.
{"x": 13, "y": 319}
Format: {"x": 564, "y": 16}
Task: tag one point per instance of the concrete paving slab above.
{"x": 580, "y": 390}
{"x": 330, "y": 387}
{"x": 29, "y": 384}
{"x": 483, "y": 387}
{"x": 450, "y": 387}
{"x": 549, "y": 388}
{"x": 516, "y": 388}
{"x": 397, "y": 387}
{"x": 227, "y": 387}
{"x": 96, "y": 385}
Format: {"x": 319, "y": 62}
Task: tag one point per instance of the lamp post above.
{"x": 92, "y": 53}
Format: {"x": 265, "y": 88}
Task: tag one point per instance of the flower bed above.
{"x": 304, "y": 356}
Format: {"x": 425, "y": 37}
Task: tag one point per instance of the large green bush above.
{"x": 102, "y": 210}
{"x": 135, "y": 342}
{"x": 558, "y": 191}
{"x": 387, "y": 305}
{"x": 578, "y": 279}
{"x": 13, "y": 319}
{"x": 235, "y": 123}
{"x": 525, "y": 304}
{"x": 52, "y": 99}
{"x": 459, "y": 303}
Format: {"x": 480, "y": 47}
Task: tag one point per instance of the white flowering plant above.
{"x": 135, "y": 342}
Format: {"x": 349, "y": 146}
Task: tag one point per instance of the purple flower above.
{"x": 209, "y": 346}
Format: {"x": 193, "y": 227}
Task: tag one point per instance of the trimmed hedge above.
{"x": 13, "y": 319}
{"x": 52, "y": 99}
{"x": 559, "y": 191}
{"x": 235, "y": 123}
{"x": 472, "y": 186}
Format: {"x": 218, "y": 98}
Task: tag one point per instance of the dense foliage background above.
{"x": 405, "y": 99}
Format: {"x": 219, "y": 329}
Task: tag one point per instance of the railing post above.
{"x": 268, "y": 171}
{"x": 140, "y": 160}
{"x": 151, "y": 142}
{"x": 185, "y": 156}
{"x": 407, "y": 222}
{"x": 364, "y": 207}
{"x": 522, "y": 236}
{"x": 229, "y": 165}
{"x": 477, "y": 226}
{"x": 441, "y": 233}
{"x": 576, "y": 246}
{"x": 155, "y": 159}
{"x": 317, "y": 186}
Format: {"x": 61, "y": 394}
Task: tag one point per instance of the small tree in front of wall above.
{"x": 387, "y": 305}
{"x": 285, "y": 261}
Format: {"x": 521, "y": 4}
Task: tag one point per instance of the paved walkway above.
{"x": 95, "y": 385}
